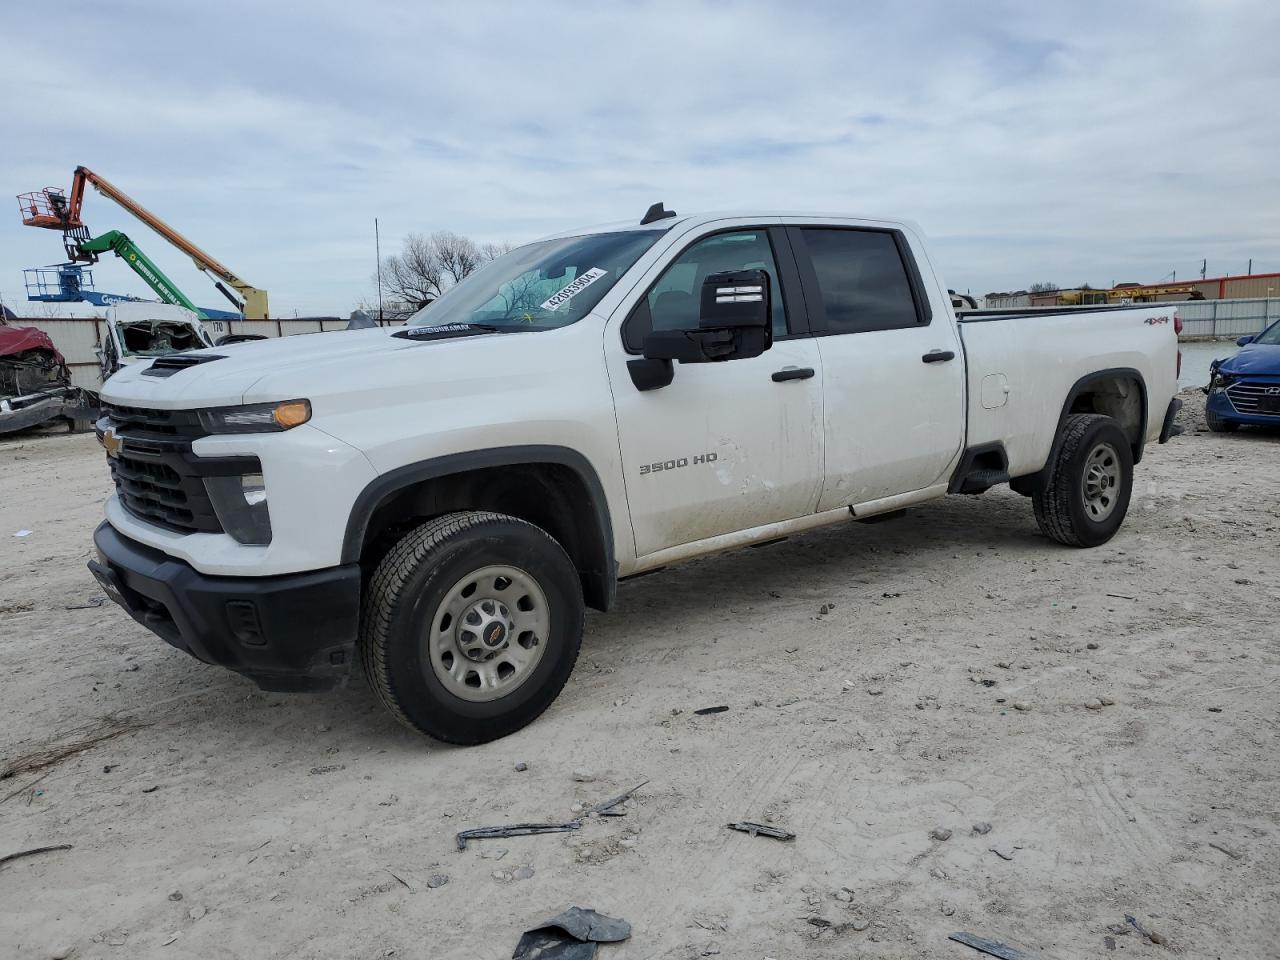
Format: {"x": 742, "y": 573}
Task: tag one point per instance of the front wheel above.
{"x": 1085, "y": 497}
{"x": 471, "y": 626}
{"x": 1217, "y": 425}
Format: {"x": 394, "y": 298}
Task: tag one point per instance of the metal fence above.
{"x": 1227, "y": 318}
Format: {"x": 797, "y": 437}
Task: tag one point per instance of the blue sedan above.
{"x": 1246, "y": 388}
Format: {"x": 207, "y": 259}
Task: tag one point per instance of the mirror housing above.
{"x": 1244, "y": 341}
{"x": 734, "y": 322}
{"x": 735, "y": 299}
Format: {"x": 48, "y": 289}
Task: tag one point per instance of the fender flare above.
{"x": 601, "y": 572}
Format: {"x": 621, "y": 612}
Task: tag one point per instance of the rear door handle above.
{"x": 792, "y": 373}
{"x": 939, "y": 356}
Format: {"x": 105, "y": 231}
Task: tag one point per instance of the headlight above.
{"x": 1222, "y": 380}
{"x": 256, "y": 417}
{"x": 241, "y": 505}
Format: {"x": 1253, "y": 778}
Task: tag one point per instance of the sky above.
{"x": 1064, "y": 142}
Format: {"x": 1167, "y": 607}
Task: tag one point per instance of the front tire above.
{"x": 1217, "y": 425}
{"x": 471, "y": 626}
{"x": 1085, "y": 497}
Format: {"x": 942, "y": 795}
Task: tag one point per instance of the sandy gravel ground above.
{"x": 311, "y": 826}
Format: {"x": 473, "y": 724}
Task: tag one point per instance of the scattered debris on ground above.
{"x": 609, "y": 808}
{"x": 48, "y": 756}
{"x": 514, "y": 830}
{"x": 992, "y": 947}
{"x": 761, "y": 830}
{"x": 9, "y": 858}
{"x": 1229, "y": 851}
{"x": 573, "y": 935}
{"x": 704, "y": 711}
{"x": 1153, "y": 935}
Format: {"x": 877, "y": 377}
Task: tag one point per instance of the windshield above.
{"x": 1270, "y": 336}
{"x": 544, "y": 285}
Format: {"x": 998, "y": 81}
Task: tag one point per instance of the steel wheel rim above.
{"x": 1101, "y": 483}
{"x": 489, "y": 633}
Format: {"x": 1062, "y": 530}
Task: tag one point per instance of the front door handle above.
{"x": 792, "y": 373}
{"x": 939, "y": 356}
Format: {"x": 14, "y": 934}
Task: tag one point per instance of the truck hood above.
{"x": 1253, "y": 358}
{"x": 306, "y": 366}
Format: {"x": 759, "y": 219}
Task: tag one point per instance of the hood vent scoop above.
{"x": 176, "y": 363}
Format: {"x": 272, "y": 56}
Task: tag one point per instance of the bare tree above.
{"x": 428, "y": 266}
{"x": 492, "y": 251}
{"x": 413, "y": 276}
{"x": 1043, "y": 287}
{"x": 458, "y": 256}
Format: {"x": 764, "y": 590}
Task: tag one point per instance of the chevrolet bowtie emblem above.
{"x": 111, "y": 443}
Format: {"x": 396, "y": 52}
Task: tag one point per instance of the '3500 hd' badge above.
{"x": 664, "y": 465}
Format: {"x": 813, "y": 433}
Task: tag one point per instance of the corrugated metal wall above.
{"x": 1228, "y": 318}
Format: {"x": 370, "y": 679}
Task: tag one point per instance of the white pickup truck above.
{"x": 442, "y": 499}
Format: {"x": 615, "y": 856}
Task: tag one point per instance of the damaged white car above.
{"x": 139, "y": 332}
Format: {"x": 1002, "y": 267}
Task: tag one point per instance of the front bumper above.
{"x": 1220, "y": 405}
{"x": 1169, "y": 429}
{"x": 289, "y": 632}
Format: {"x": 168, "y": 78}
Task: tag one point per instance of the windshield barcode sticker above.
{"x": 571, "y": 290}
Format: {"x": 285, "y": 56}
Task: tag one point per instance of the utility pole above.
{"x": 1250, "y": 273}
{"x": 377, "y": 247}
{"x": 1204, "y": 267}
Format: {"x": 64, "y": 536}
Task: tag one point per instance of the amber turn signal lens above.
{"x": 292, "y": 414}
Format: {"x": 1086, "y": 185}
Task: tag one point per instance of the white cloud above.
{"x": 1073, "y": 142}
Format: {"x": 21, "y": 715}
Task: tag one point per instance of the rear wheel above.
{"x": 471, "y": 626}
{"x": 1218, "y": 425}
{"x": 1085, "y": 497}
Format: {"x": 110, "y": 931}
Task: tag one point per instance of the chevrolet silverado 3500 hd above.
{"x": 441, "y": 499}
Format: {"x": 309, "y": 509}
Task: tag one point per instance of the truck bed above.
{"x": 1022, "y": 367}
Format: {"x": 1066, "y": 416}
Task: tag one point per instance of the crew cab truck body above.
{"x": 442, "y": 499}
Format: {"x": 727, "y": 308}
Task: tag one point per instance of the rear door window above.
{"x": 862, "y": 280}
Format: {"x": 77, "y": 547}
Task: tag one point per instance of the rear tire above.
{"x": 1085, "y": 496}
{"x": 471, "y": 626}
{"x": 1218, "y": 425}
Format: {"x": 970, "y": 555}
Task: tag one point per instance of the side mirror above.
{"x": 734, "y": 322}
{"x": 1243, "y": 341}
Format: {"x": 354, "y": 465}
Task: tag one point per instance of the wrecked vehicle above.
{"x": 35, "y": 384}
{"x": 139, "y": 332}
{"x": 442, "y": 499}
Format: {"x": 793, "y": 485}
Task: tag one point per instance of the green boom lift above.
{"x": 113, "y": 241}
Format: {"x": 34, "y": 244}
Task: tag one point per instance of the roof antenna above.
{"x": 656, "y": 212}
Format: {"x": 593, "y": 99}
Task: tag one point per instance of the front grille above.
{"x": 137, "y": 421}
{"x": 158, "y": 479}
{"x": 152, "y": 489}
{"x": 1255, "y": 398}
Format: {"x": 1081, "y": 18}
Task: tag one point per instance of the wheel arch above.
{"x": 553, "y": 487}
{"x": 1104, "y": 392}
